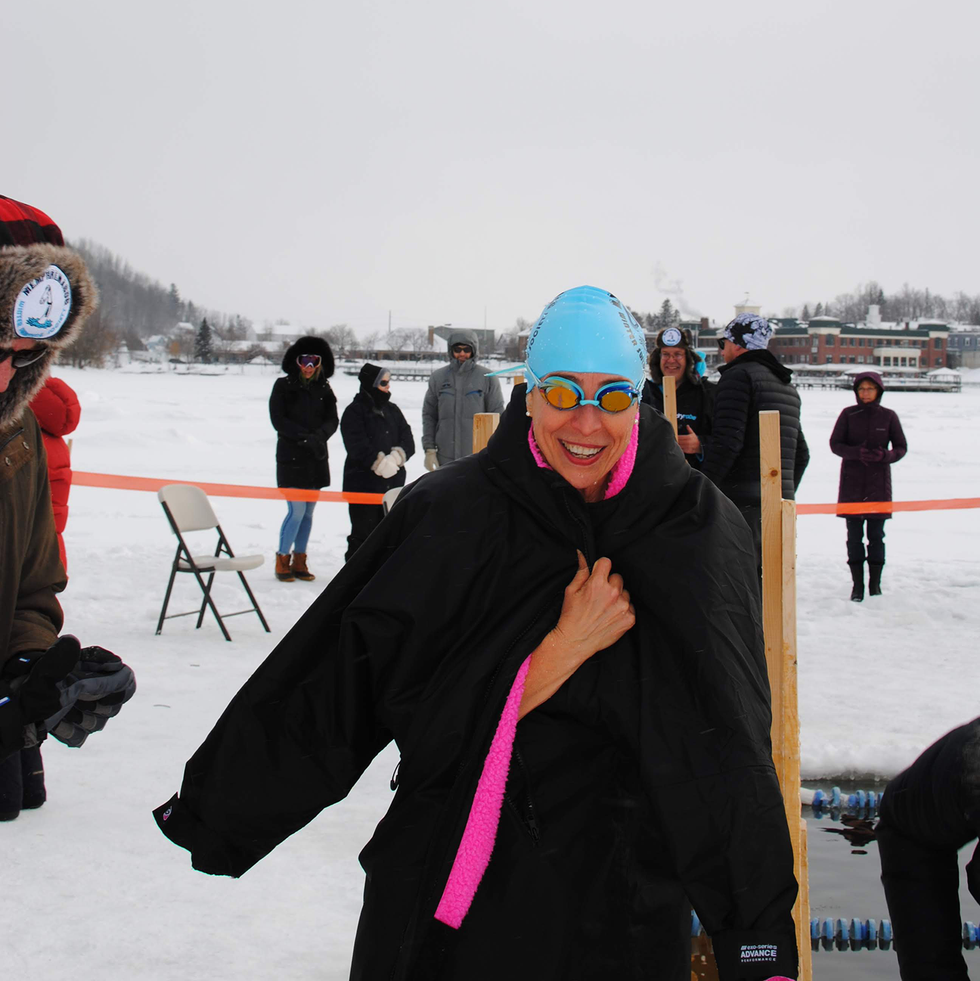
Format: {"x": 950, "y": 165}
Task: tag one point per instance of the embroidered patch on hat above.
{"x": 671, "y": 337}
{"x": 42, "y": 306}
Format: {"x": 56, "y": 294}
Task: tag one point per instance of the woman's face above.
{"x": 867, "y": 391}
{"x": 306, "y": 370}
{"x": 584, "y": 443}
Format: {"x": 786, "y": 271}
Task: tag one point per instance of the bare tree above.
{"x": 94, "y": 344}
{"x": 418, "y": 340}
{"x": 371, "y": 342}
{"x": 341, "y": 338}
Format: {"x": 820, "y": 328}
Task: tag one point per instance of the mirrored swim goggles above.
{"x": 21, "y": 359}
{"x": 563, "y": 393}
{"x": 308, "y": 360}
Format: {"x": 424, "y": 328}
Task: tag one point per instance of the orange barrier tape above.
{"x": 119, "y": 482}
{"x": 888, "y": 507}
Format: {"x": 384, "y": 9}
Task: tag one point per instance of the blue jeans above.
{"x": 296, "y": 527}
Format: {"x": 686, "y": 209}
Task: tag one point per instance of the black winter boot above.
{"x": 874, "y": 579}
{"x": 11, "y": 787}
{"x": 857, "y": 576}
{"x": 32, "y": 774}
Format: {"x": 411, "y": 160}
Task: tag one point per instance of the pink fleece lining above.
{"x": 620, "y": 473}
{"x": 473, "y": 854}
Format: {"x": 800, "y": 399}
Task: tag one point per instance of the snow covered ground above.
{"x": 94, "y": 890}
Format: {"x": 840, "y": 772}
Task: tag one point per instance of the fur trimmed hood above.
{"x": 19, "y": 265}
{"x": 309, "y": 345}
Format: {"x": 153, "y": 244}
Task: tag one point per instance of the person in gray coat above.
{"x": 456, "y": 393}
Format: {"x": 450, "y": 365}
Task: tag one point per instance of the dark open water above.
{"x": 844, "y": 884}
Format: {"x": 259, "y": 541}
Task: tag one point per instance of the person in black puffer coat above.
{"x": 861, "y": 437}
{"x": 303, "y": 409}
{"x": 928, "y": 813}
{"x": 378, "y": 441}
{"x": 674, "y": 355}
{"x": 752, "y": 381}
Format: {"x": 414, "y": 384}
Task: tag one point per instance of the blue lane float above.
{"x": 854, "y": 934}
{"x": 861, "y": 804}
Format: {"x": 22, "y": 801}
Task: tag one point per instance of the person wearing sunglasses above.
{"x": 673, "y": 355}
{"x": 46, "y": 295}
{"x": 455, "y": 394}
{"x": 303, "y": 410}
{"x": 752, "y": 381}
{"x": 562, "y": 635}
{"x": 378, "y": 441}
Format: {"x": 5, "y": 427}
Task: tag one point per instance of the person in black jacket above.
{"x": 752, "y": 381}
{"x": 378, "y": 441}
{"x": 928, "y": 813}
{"x": 861, "y": 436}
{"x": 562, "y": 635}
{"x": 303, "y": 409}
{"x": 674, "y": 355}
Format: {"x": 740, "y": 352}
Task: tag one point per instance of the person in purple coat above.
{"x": 861, "y": 437}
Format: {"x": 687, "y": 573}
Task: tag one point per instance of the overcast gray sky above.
{"x": 326, "y": 162}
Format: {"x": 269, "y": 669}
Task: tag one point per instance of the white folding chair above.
{"x": 389, "y": 497}
{"x": 188, "y": 509}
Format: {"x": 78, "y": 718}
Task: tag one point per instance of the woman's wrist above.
{"x": 565, "y": 650}
{"x": 552, "y": 664}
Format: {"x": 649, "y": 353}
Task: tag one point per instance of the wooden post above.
{"x": 484, "y": 424}
{"x": 779, "y": 624}
{"x": 771, "y": 477}
{"x": 670, "y": 401}
{"x": 69, "y": 442}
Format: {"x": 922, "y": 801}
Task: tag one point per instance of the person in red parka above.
{"x": 57, "y": 410}
{"x": 862, "y": 436}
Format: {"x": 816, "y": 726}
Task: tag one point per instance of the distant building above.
{"x": 918, "y": 346}
{"x": 484, "y": 337}
{"x": 746, "y": 306}
{"x": 238, "y": 352}
{"x": 283, "y": 332}
{"x": 964, "y": 347}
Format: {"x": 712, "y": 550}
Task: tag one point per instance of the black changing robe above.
{"x": 646, "y": 777}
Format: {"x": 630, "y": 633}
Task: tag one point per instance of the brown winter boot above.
{"x": 299, "y": 569}
{"x": 283, "y": 573}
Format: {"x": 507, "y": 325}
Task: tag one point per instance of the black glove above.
{"x": 871, "y": 456}
{"x": 92, "y": 694}
{"x": 30, "y": 690}
{"x": 314, "y": 443}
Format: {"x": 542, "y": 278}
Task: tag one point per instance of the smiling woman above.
{"x": 583, "y": 441}
{"x": 548, "y": 718}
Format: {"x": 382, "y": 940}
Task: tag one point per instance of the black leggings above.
{"x": 364, "y": 518}
{"x": 855, "y": 539}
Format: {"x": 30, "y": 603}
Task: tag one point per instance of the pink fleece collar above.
{"x": 620, "y": 473}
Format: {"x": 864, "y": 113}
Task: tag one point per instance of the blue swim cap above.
{"x": 586, "y": 330}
